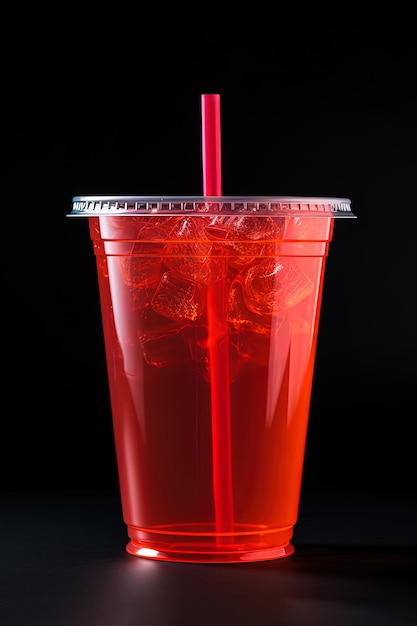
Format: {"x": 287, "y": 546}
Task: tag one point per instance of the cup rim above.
{"x": 272, "y": 206}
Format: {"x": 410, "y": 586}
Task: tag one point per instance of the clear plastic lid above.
{"x": 88, "y": 206}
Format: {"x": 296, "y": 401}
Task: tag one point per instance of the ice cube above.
{"x": 164, "y": 346}
{"x": 240, "y": 316}
{"x": 247, "y": 236}
{"x": 274, "y": 285}
{"x": 138, "y": 272}
{"x": 245, "y": 227}
{"x": 178, "y": 298}
{"x": 254, "y": 346}
{"x": 190, "y": 253}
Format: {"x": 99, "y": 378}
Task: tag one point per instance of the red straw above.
{"x": 212, "y": 171}
{"x": 218, "y": 339}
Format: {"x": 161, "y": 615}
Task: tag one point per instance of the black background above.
{"x": 311, "y": 105}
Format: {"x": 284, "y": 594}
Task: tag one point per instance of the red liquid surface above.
{"x": 210, "y": 330}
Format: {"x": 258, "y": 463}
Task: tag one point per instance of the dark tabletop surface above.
{"x": 63, "y": 563}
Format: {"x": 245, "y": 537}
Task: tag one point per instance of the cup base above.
{"x": 271, "y": 554}
{"x": 244, "y": 546}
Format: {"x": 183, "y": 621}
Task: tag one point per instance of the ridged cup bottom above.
{"x": 200, "y": 543}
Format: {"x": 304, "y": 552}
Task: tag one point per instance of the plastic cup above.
{"x": 210, "y": 309}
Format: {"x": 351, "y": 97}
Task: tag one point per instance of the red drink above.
{"x": 210, "y": 316}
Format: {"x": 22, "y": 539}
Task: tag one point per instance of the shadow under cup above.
{"x": 210, "y": 311}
